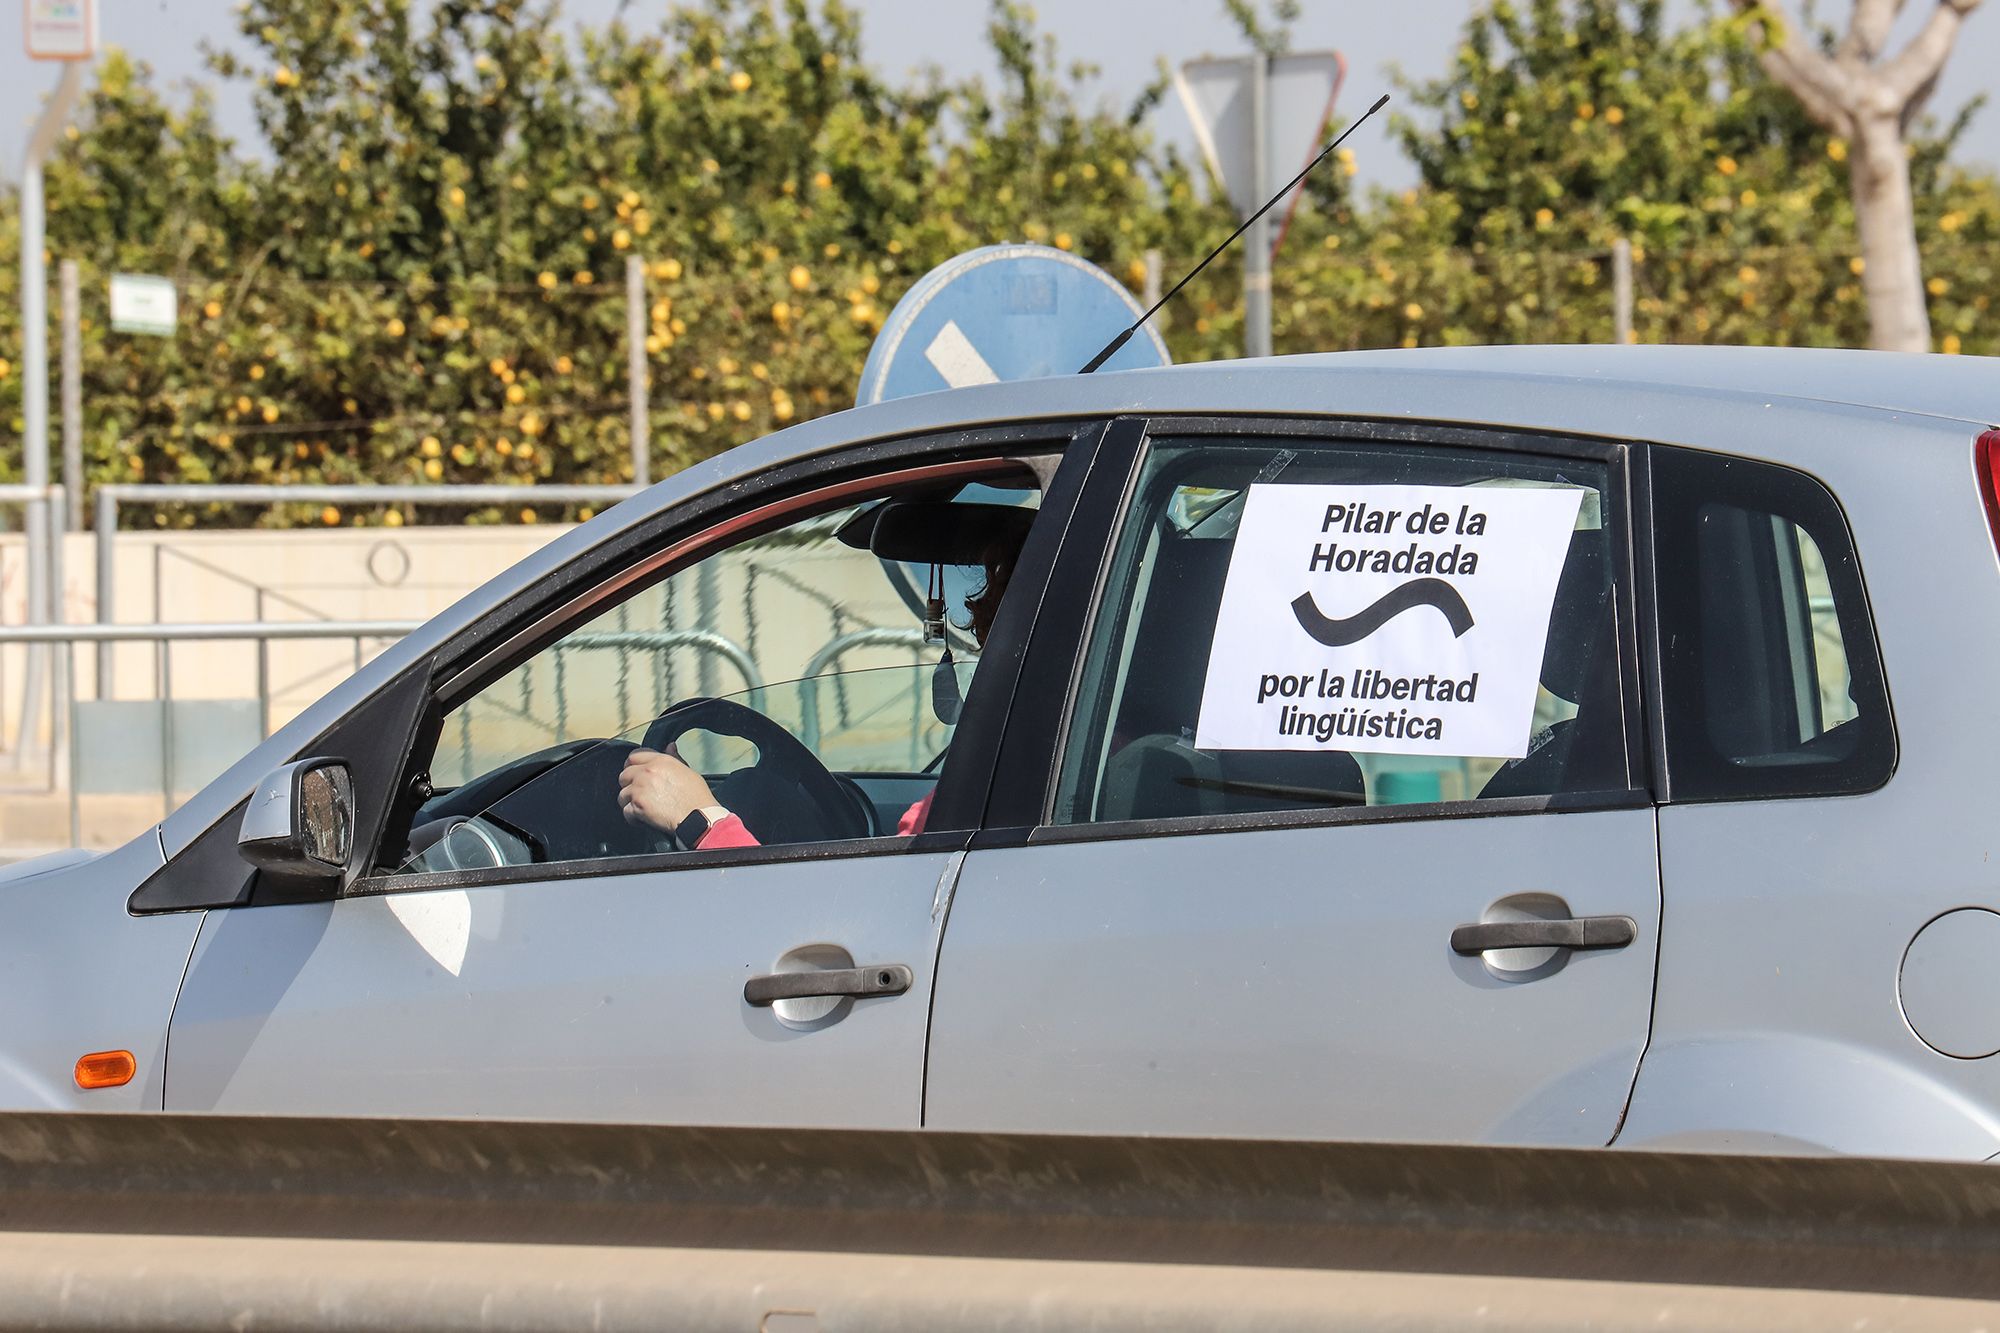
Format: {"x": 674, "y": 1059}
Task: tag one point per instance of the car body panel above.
{"x": 1786, "y": 921}
{"x": 78, "y": 974}
{"x": 1919, "y": 384}
{"x": 1293, "y": 983}
{"x": 615, "y": 998}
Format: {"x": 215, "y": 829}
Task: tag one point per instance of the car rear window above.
{"x": 1773, "y": 687}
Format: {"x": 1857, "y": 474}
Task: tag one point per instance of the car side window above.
{"x": 1772, "y": 686}
{"x": 811, "y": 676}
{"x": 1133, "y": 751}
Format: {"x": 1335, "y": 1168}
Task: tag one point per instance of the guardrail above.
{"x": 913, "y": 640}
{"x": 149, "y": 1221}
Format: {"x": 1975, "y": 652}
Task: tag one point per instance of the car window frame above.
{"x": 1055, "y": 669}
{"x": 1800, "y": 492}
{"x": 683, "y": 535}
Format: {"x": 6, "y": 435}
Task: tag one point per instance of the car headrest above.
{"x": 1577, "y": 619}
{"x": 938, "y": 532}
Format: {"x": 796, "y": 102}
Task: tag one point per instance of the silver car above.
{"x": 1670, "y": 826}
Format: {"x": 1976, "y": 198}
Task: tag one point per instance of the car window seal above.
{"x": 375, "y": 886}
{"x": 1253, "y": 821}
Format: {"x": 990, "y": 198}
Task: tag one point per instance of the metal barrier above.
{"x": 65, "y": 638}
{"x": 156, "y": 1221}
{"x": 110, "y": 497}
{"x": 882, "y": 637}
{"x": 705, "y": 644}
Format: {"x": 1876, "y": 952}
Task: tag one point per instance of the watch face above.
{"x": 692, "y": 830}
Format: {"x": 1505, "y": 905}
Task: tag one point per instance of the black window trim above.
{"x": 1804, "y": 492}
{"x": 603, "y": 867}
{"x": 1053, "y": 671}
{"x": 1075, "y": 441}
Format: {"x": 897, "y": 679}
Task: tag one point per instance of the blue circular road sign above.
{"x": 1004, "y": 312}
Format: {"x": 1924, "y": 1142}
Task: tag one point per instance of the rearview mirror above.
{"x": 300, "y": 820}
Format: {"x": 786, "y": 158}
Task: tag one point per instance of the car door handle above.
{"x": 881, "y": 979}
{"x": 1583, "y": 932}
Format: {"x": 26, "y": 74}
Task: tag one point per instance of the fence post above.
{"x": 1621, "y": 290}
{"x": 107, "y": 584}
{"x": 1150, "y": 291}
{"x": 62, "y": 661}
{"x": 72, "y": 398}
{"x": 635, "y": 367}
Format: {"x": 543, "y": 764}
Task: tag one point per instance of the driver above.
{"x": 658, "y": 789}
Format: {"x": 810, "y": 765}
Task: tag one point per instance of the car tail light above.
{"x": 1986, "y": 456}
{"x": 105, "y": 1069}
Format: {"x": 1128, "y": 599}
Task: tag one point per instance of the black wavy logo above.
{"x": 1352, "y": 629}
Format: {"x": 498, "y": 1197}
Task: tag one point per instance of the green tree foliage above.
{"x": 1563, "y": 125}
{"x": 422, "y": 278}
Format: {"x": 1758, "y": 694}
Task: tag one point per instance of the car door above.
{"x": 1235, "y": 909}
{"x": 528, "y": 950}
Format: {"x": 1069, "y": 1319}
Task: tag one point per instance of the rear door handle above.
{"x": 1583, "y": 932}
{"x": 881, "y": 979}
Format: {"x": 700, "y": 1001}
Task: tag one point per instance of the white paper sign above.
{"x": 1386, "y": 619}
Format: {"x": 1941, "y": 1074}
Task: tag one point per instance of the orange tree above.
{"x": 423, "y": 277}
{"x": 1563, "y": 125}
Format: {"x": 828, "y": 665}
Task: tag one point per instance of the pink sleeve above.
{"x": 728, "y": 831}
{"x": 916, "y": 817}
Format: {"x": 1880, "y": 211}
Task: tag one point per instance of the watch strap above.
{"x": 690, "y": 831}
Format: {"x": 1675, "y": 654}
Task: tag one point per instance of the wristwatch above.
{"x": 690, "y": 831}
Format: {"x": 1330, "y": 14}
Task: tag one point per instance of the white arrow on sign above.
{"x": 953, "y": 356}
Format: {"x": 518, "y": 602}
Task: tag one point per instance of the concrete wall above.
{"x": 284, "y": 575}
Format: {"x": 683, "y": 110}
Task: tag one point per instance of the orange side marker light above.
{"x": 105, "y": 1069}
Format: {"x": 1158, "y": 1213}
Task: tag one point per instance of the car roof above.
{"x": 1965, "y": 388}
{"x": 1638, "y": 392}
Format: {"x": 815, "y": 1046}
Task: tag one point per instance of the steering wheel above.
{"x": 788, "y": 795}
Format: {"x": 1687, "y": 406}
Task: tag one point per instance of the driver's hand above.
{"x": 658, "y": 789}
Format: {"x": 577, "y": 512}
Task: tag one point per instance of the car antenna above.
{"x": 1111, "y": 348}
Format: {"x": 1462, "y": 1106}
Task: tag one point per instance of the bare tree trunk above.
{"x": 1884, "y": 214}
{"x": 1872, "y": 102}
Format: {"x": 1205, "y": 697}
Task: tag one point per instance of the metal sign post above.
{"x": 1257, "y": 118}
{"x": 72, "y": 394}
{"x": 637, "y": 370}
{"x": 35, "y": 360}
{"x": 1257, "y": 244}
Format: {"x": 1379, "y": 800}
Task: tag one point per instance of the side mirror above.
{"x": 300, "y": 820}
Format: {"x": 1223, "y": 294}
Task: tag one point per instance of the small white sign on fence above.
{"x": 60, "y": 29}
{"x": 142, "y": 303}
